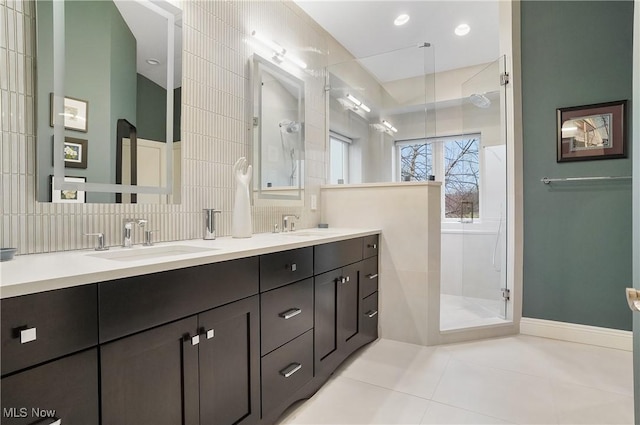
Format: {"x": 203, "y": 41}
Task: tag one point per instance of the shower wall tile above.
{"x": 216, "y": 118}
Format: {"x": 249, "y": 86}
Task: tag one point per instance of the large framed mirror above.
{"x": 108, "y": 101}
{"x": 278, "y": 132}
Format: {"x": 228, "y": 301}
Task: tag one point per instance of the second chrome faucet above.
{"x": 127, "y": 236}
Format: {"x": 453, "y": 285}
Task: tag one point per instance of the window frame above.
{"x": 438, "y": 165}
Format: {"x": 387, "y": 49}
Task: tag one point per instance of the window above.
{"x": 462, "y": 178}
{"x": 416, "y": 163}
{"x": 339, "y": 159}
{"x": 454, "y": 160}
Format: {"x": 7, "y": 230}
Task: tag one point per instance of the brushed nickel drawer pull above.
{"x": 211, "y": 333}
{"x": 374, "y": 246}
{"x": 372, "y": 276}
{"x": 195, "y": 340}
{"x": 290, "y": 370}
{"x": 27, "y": 335}
{"x": 294, "y": 267}
{"x": 290, "y": 313}
{"x": 371, "y": 313}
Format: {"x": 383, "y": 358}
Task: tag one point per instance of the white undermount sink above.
{"x": 145, "y": 253}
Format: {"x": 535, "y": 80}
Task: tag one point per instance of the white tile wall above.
{"x": 215, "y": 122}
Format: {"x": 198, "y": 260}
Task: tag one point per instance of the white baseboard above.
{"x": 603, "y": 337}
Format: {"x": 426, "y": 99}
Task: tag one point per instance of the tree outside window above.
{"x": 458, "y": 158}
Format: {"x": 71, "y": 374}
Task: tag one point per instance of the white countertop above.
{"x": 27, "y": 274}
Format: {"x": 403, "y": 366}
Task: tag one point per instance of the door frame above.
{"x": 635, "y": 187}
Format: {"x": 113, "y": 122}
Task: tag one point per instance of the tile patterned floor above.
{"x": 512, "y": 380}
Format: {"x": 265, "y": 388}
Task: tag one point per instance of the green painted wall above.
{"x": 152, "y": 111}
{"x": 577, "y": 238}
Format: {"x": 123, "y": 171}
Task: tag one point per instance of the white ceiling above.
{"x": 150, "y": 31}
{"x": 366, "y": 28}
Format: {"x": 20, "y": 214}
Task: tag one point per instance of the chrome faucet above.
{"x": 285, "y": 222}
{"x": 127, "y": 239}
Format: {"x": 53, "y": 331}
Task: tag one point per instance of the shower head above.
{"x": 287, "y": 126}
{"x": 480, "y": 100}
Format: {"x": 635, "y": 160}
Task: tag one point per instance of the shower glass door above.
{"x": 476, "y": 188}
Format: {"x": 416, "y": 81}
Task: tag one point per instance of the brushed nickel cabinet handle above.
{"x": 195, "y": 340}
{"x": 290, "y": 313}
{"x": 290, "y": 370}
{"x": 371, "y": 313}
{"x": 372, "y": 276}
{"x": 294, "y": 267}
{"x": 374, "y": 246}
{"x": 211, "y": 333}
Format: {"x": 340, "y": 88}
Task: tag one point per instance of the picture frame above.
{"x": 76, "y": 114}
{"x": 75, "y": 152}
{"x": 591, "y": 132}
{"x": 67, "y": 196}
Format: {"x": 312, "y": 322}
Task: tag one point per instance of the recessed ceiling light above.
{"x": 401, "y": 20}
{"x": 462, "y": 29}
{"x": 152, "y": 61}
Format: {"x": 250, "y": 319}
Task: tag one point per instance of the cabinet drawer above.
{"x": 369, "y": 277}
{"x": 285, "y": 370}
{"x": 286, "y": 313}
{"x": 142, "y": 302}
{"x": 370, "y": 246}
{"x": 337, "y": 254}
{"x": 369, "y": 322}
{"x": 281, "y": 268}
{"x": 43, "y": 326}
{"x": 66, "y": 389}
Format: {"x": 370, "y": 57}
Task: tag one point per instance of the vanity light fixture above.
{"x": 462, "y": 29}
{"x": 358, "y": 103}
{"x": 279, "y": 52}
{"x": 153, "y": 62}
{"x": 401, "y": 20}
{"x": 389, "y": 126}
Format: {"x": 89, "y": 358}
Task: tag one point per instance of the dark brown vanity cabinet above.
{"x": 49, "y": 368}
{"x": 200, "y": 370}
{"x": 63, "y": 391}
{"x": 346, "y": 301}
{"x": 286, "y": 327}
{"x": 234, "y": 342}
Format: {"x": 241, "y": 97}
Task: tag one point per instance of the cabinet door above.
{"x": 326, "y": 322}
{"x": 145, "y": 376}
{"x": 230, "y": 364}
{"x": 65, "y": 390}
{"x": 348, "y": 305}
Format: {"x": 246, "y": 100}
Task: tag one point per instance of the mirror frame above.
{"x": 257, "y": 64}
{"x": 58, "y": 105}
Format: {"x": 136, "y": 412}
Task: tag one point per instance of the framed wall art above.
{"x": 75, "y": 153}
{"x": 75, "y": 114}
{"x": 592, "y": 132}
{"x": 67, "y": 196}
